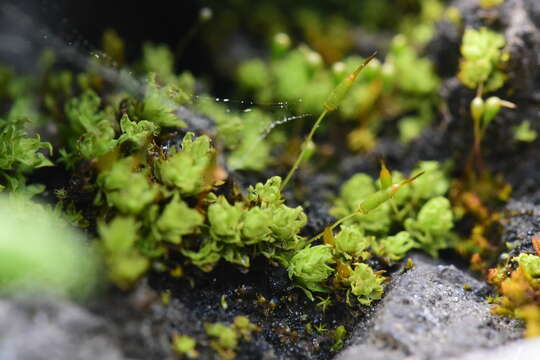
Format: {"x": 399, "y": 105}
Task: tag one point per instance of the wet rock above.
{"x": 43, "y": 328}
{"x": 427, "y": 314}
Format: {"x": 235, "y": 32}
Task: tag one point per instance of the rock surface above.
{"x": 427, "y": 314}
{"x": 519, "y": 350}
{"x": 523, "y": 222}
{"x": 44, "y": 329}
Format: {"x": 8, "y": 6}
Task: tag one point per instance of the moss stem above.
{"x": 304, "y": 149}
{"x": 334, "y": 225}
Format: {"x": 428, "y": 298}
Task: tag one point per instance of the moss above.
{"x": 185, "y": 345}
{"x": 295, "y": 74}
{"x": 422, "y": 199}
{"x": 19, "y": 153}
{"x": 48, "y": 256}
{"x": 225, "y": 338}
{"x": 482, "y": 59}
{"x": 310, "y": 268}
{"x": 519, "y": 290}
{"x": 365, "y": 284}
{"x": 125, "y": 263}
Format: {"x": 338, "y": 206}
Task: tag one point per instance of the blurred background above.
{"x": 238, "y": 29}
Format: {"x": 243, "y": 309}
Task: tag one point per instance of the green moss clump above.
{"x": 225, "y": 338}
{"x": 185, "y": 346}
{"x": 48, "y": 256}
{"x": 483, "y": 59}
{"x": 365, "y": 284}
{"x": 309, "y": 267}
{"x": 160, "y": 192}
{"x": 420, "y": 211}
{"x": 124, "y": 263}
{"x": 19, "y": 154}
{"x": 519, "y": 291}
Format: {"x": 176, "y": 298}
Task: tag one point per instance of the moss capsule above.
{"x": 385, "y": 177}
{"x": 477, "y": 109}
{"x": 376, "y": 199}
{"x": 339, "y": 93}
{"x": 492, "y": 107}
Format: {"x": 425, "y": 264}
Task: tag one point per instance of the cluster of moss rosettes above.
{"x": 418, "y": 216}
{"x": 171, "y": 203}
{"x": 160, "y": 193}
{"x": 157, "y": 190}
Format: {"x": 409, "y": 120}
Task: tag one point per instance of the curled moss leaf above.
{"x": 137, "y": 133}
{"x": 245, "y": 327}
{"x": 206, "y": 256}
{"x": 90, "y": 129}
{"x": 225, "y": 220}
{"x": 19, "y": 153}
{"x": 287, "y": 222}
{"x": 128, "y": 190}
{"x": 524, "y": 132}
{"x": 351, "y": 242}
{"x": 161, "y": 104}
{"x": 310, "y": 267}
{"x": 396, "y": 247}
{"x": 416, "y": 75}
{"x": 432, "y": 228}
{"x": 97, "y": 143}
{"x": 339, "y": 338}
{"x": 482, "y": 55}
{"x": 178, "y": 219}
{"x": 253, "y": 153}
{"x": 266, "y": 194}
{"x": 186, "y": 169}
{"x": 83, "y": 112}
{"x": 118, "y": 239}
{"x": 235, "y": 255}
{"x": 255, "y": 225}
{"x": 365, "y": 284}
{"x": 435, "y": 216}
{"x": 253, "y": 74}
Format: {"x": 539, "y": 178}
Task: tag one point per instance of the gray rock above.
{"x": 523, "y": 42}
{"x": 518, "y": 350}
{"x": 523, "y": 221}
{"x": 45, "y": 328}
{"x": 427, "y": 314}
